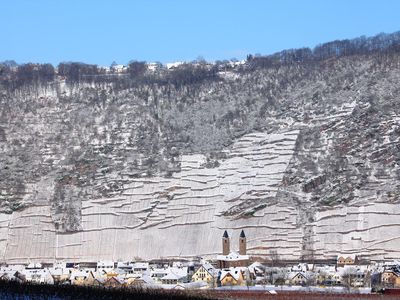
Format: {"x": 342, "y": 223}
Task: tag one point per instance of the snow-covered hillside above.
{"x": 304, "y": 157}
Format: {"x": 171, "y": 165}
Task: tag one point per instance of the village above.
{"x": 230, "y": 270}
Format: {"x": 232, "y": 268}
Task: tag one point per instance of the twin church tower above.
{"x": 226, "y": 244}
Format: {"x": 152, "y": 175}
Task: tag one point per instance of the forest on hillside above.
{"x": 13, "y": 75}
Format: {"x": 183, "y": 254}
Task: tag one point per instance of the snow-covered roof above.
{"x": 7, "y": 276}
{"x": 119, "y": 67}
{"x": 105, "y": 263}
{"x": 171, "y": 276}
{"x": 256, "y": 267}
{"x": 14, "y": 267}
{"x": 175, "y": 273}
{"x": 179, "y": 271}
{"x": 35, "y": 271}
{"x": 58, "y": 271}
{"x": 79, "y": 273}
{"x": 146, "y": 279}
{"x": 302, "y": 267}
{"x": 140, "y": 265}
{"x": 60, "y": 264}
{"x": 352, "y": 269}
{"x": 159, "y": 271}
{"x": 237, "y": 63}
{"x": 234, "y": 272}
{"x": 292, "y": 275}
{"x": 326, "y": 269}
{"x": 209, "y": 268}
{"x": 153, "y": 66}
{"x": 34, "y": 266}
{"x": 233, "y": 256}
{"x": 206, "y": 265}
{"x": 177, "y": 264}
{"x": 122, "y": 264}
{"x": 174, "y": 64}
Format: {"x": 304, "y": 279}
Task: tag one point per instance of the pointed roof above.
{"x": 242, "y": 235}
{"x": 225, "y": 234}
{"x": 233, "y": 272}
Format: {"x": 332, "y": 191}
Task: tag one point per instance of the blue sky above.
{"x": 96, "y": 31}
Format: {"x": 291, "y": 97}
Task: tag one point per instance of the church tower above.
{"x": 226, "y": 244}
{"x": 242, "y": 244}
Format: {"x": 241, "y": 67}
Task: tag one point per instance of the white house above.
{"x": 105, "y": 266}
{"x": 140, "y": 267}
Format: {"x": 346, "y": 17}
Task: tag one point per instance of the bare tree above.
{"x": 273, "y": 254}
{"x": 348, "y": 277}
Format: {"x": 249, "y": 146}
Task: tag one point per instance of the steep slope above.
{"x": 303, "y": 156}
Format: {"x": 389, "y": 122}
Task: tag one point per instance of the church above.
{"x": 230, "y": 259}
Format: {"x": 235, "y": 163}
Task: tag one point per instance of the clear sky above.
{"x": 96, "y": 31}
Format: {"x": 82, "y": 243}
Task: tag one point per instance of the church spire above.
{"x": 226, "y": 244}
{"x": 242, "y": 244}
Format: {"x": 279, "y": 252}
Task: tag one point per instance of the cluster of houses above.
{"x": 227, "y": 270}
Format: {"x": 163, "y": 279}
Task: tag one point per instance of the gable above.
{"x": 113, "y": 280}
{"x": 299, "y": 276}
{"x": 202, "y": 269}
{"x": 228, "y": 276}
{"x": 349, "y": 260}
{"x": 341, "y": 259}
{"x": 389, "y": 274}
{"x": 97, "y": 281}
